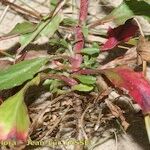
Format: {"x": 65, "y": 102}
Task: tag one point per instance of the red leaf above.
{"x": 69, "y": 81}
{"x": 76, "y": 62}
{"x": 83, "y": 12}
{"x": 87, "y": 71}
{"x": 14, "y": 134}
{"x": 121, "y": 33}
{"x": 137, "y": 86}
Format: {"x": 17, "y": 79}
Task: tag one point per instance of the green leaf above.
{"x": 90, "y": 62}
{"x": 69, "y": 22}
{"x": 19, "y": 73}
{"x": 53, "y": 4}
{"x": 47, "y": 28}
{"x": 54, "y": 86}
{"x": 86, "y": 79}
{"x": 82, "y": 88}
{"x": 85, "y": 31}
{"x": 22, "y": 28}
{"x": 90, "y": 51}
{"x": 52, "y": 26}
{"x": 26, "y": 39}
{"x": 133, "y": 41}
{"x": 47, "y": 82}
{"x": 96, "y": 45}
{"x": 59, "y": 42}
{"x": 128, "y": 9}
{"x": 147, "y": 1}
{"x": 14, "y": 119}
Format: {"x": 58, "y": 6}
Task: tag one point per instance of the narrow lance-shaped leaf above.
{"x": 47, "y": 27}
{"x": 90, "y": 51}
{"x": 82, "y": 88}
{"x": 128, "y": 9}
{"x": 121, "y": 33}
{"x": 53, "y": 26}
{"x": 19, "y": 73}
{"x": 69, "y": 81}
{"x": 22, "y": 28}
{"x": 134, "y": 82}
{"x": 14, "y": 119}
{"x": 85, "y": 31}
{"x": 69, "y": 22}
{"x": 53, "y": 4}
{"x": 137, "y": 86}
{"x": 79, "y": 37}
{"x": 86, "y": 79}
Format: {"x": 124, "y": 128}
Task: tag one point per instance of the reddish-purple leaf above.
{"x": 69, "y": 81}
{"x": 87, "y": 72}
{"x": 121, "y": 33}
{"x": 83, "y": 12}
{"x": 136, "y": 84}
{"x": 78, "y": 30}
{"x": 79, "y": 40}
{"x": 14, "y": 134}
{"x": 76, "y": 62}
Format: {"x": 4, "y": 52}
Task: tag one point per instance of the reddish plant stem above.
{"x": 88, "y": 72}
{"x": 69, "y": 81}
{"x": 83, "y": 12}
{"x": 79, "y": 39}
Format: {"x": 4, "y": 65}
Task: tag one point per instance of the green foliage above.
{"x": 128, "y": 9}
{"x": 14, "y": 119}
{"x": 21, "y": 72}
{"x": 82, "y": 88}
{"x": 90, "y": 62}
{"x": 45, "y": 28}
{"x": 59, "y": 42}
{"x": 86, "y": 79}
{"x": 85, "y": 31}
{"x": 96, "y": 45}
{"x": 69, "y": 22}
{"x": 90, "y": 51}
{"x": 53, "y": 84}
{"x": 52, "y": 26}
{"x": 53, "y": 4}
{"x": 22, "y": 28}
